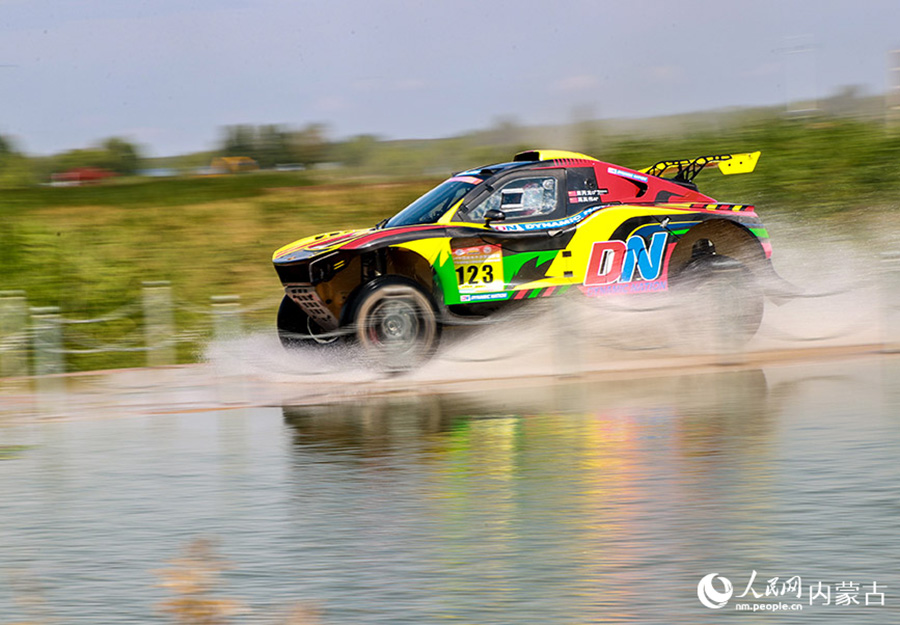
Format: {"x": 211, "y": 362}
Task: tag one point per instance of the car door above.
{"x": 522, "y": 247}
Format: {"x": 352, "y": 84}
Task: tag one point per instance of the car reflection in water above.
{"x": 581, "y": 499}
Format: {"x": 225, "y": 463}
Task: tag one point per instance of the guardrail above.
{"x": 37, "y": 340}
{"x": 14, "y": 335}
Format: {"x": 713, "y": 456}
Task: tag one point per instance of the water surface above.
{"x": 584, "y": 501}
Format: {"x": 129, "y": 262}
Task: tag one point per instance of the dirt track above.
{"x": 210, "y": 386}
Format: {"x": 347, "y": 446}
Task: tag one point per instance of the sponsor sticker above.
{"x": 546, "y": 225}
{"x": 633, "y": 266}
{"x": 484, "y": 297}
{"x": 615, "y": 171}
{"x": 586, "y": 195}
{"x": 478, "y": 268}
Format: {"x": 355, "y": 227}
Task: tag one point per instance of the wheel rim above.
{"x": 394, "y": 325}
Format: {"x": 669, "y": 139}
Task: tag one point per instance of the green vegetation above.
{"x": 115, "y": 154}
{"x": 274, "y": 144}
{"x": 815, "y": 167}
{"x": 88, "y": 249}
{"x": 136, "y": 192}
{"x": 89, "y": 256}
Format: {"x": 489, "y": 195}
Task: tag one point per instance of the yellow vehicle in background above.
{"x": 233, "y": 165}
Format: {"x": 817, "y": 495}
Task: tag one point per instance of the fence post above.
{"x": 13, "y": 334}
{"x": 158, "y": 323}
{"x": 47, "y": 341}
{"x": 226, "y": 316}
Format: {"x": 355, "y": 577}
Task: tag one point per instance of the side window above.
{"x": 522, "y": 199}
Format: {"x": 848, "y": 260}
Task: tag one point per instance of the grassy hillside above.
{"x": 89, "y": 253}
{"x": 815, "y": 167}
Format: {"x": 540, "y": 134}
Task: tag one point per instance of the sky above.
{"x": 169, "y": 74}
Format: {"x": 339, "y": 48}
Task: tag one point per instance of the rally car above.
{"x": 547, "y": 224}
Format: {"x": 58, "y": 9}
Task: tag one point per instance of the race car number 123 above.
{"x": 478, "y": 268}
{"x": 469, "y": 274}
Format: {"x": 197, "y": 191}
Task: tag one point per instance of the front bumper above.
{"x": 306, "y": 297}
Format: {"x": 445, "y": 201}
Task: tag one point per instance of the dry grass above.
{"x": 91, "y": 258}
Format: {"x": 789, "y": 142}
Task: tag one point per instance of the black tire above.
{"x": 296, "y": 330}
{"x": 395, "y": 323}
{"x": 722, "y": 297}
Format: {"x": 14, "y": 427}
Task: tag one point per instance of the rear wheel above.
{"x": 721, "y": 296}
{"x": 296, "y": 329}
{"x": 395, "y": 323}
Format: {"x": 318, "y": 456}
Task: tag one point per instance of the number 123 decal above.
{"x": 474, "y": 274}
{"x": 478, "y": 268}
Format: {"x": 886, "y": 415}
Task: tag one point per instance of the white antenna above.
{"x": 892, "y": 96}
{"x": 800, "y": 90}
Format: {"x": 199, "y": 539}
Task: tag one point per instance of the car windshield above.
{"x": 431, "y": 206}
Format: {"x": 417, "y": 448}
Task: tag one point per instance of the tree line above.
{"x": 115, "y": 154}
{"x": 847, "y": 149}
{"x": 270, "y": 145}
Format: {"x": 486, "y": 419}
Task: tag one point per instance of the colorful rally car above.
{"x": 547, "y": 224}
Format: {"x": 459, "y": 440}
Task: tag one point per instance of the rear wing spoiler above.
{"x": 687, "y": 169}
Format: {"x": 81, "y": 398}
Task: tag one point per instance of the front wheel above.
{"x": 395, "y": 323}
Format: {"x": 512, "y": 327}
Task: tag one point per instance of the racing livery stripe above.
{"x": 391, "y": 233}
{"x": 647, "y": 230}
{"x": 724, "y": 207}
{"x": 728, "y": 209}
{"x": 321, "y": 244}
{"x": 541, "y": 291}
{"x": 318, "y": 244}
{"x": 679, "y": 225}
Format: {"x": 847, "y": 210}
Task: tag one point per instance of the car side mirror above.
{"x": 494, "y": 215}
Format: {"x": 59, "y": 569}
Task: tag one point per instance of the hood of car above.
{"x": 355, "y": 240}
{"x": 316, "y": 244}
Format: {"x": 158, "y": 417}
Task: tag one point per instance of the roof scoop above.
{"x": 550, "y": 155}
